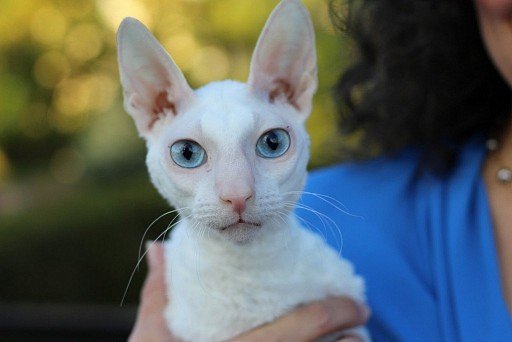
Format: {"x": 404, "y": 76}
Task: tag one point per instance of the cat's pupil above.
{"x": 187, "y": 151}
{"x": 272, "y": 141}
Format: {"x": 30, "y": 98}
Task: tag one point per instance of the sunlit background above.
{"x": 74, "y": 193}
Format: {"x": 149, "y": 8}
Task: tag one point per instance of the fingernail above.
{"x": 365, "y": 312}
{"x": 351, "y": 339}
{"x": 151, "y": 254}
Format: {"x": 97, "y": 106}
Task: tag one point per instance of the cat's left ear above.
{"x": 283, "y": 64}
{"x": 154, "y": 87}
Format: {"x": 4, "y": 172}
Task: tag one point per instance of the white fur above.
{"x": 219, "y": 289}
{"x": 223, "y": 281}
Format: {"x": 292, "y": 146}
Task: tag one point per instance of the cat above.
{"x": 232, "y": 157}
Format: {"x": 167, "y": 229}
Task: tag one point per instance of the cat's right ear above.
{"x": 154, "y": 87}
{"x": 283, "y": 65}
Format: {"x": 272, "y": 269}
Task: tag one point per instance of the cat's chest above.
{"x": 286, "y": 274}
{"x": 227, "y": 298}
{"x": 272, "y": 270}
{"x": 229, "y": 293}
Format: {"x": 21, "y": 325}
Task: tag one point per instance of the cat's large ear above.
{"x": 153, "y": 86}
{"x": 283, "y": 64}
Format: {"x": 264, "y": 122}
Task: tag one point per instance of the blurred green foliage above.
{"x": 74, "y": 193}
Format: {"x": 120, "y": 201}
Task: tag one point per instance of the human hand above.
{"x": 309, "y": 322}
{"x": 150, "y": 324}
{"x": 313, "y": 321}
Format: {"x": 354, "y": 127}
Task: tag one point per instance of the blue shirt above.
{"x": 424, "y": 244}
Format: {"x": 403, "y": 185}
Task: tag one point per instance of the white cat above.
{"x": 232, "y": 156}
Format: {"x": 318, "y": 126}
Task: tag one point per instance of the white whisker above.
{"x": 327, "y": 199}
{"x": 142, "y": 258}
{"x": 169, "y": 227}
{"x": 151, "y": 225}
{"x": 310, "y": 226}
{"x": 334, "y": 228}
{"x": 283, "y": 216}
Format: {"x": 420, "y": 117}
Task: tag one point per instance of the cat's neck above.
{"x": 273, "y": 239}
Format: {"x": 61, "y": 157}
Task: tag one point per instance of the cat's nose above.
{"x": 238, "y": 203}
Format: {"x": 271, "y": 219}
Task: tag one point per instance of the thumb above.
{"x": 155, "y": 256}
{"x": 154, "y": 286}
{"x": 150, "y": 324}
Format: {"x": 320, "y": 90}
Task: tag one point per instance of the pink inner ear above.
{"x": 282, "y": 88}
{"x": 161, "y": 103}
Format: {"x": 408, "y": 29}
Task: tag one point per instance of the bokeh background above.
{"x": 74, "y": 193}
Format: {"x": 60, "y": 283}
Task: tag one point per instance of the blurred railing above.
{"x": 38, "y": 322}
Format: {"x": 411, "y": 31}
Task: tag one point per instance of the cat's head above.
{"x": 231, "y": 155}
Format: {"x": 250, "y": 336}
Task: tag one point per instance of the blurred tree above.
{"x": 74, "y": 194}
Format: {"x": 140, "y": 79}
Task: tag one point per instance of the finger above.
{"x": 153, "y": 294}
{"x": 312, "y": 321}
{"x": 155, "y": 256}
{"x": 150, "y": 324}
{"x": 351, "y": 338}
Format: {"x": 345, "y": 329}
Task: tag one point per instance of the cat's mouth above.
{"x": 240, "y": 223}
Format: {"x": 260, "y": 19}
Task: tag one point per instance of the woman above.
{"x": 432, "y": 224}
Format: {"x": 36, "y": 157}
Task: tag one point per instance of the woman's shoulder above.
{"x": 360, "y": 185}
{"x": 392, "y": 180}
{"x": 387, "y": 200}
{"x": 367, "y": 211}
{"x": 370, "y": 205}
{"x": 387, "y": 216}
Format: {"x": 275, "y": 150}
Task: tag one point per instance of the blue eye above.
{"x": 187, "y": 154}
{"x": 273, "y": 143}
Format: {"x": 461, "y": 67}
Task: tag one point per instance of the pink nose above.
{"x": 238, "y": 203}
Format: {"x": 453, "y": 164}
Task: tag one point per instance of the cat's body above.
{"x": 232, "y": 158}
{"x": 226, "y": 289}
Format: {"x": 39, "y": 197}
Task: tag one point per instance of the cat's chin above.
{"x": 240, "y": 232}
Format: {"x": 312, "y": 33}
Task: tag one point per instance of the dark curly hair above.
{"x": 422, "y": 78}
